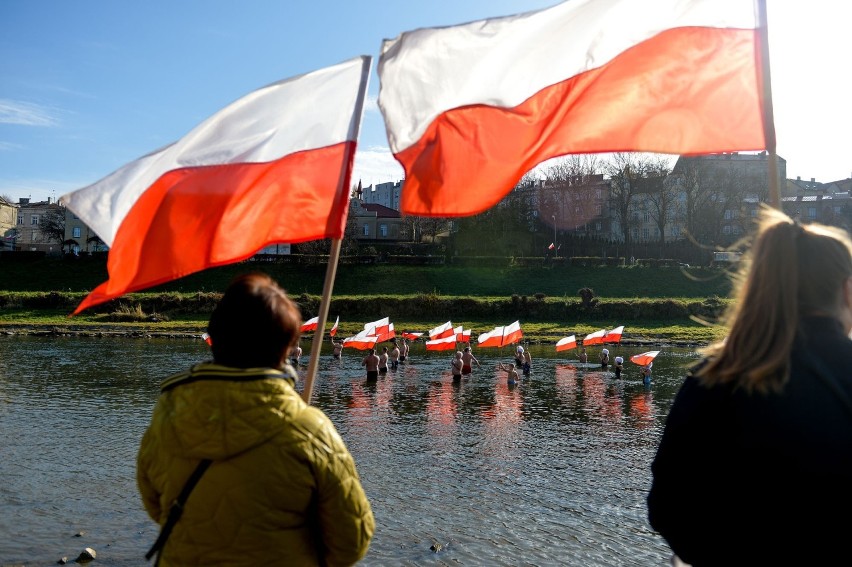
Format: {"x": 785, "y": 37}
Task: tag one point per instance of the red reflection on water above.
{"x": 643, "y": 409}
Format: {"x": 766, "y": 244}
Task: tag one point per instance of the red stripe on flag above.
{"x": 197, "y": 218}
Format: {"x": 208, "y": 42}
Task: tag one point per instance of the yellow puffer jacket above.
{"x": 282, "y": 489}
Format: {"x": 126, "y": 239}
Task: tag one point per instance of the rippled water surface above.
{"x": 553, "y": 471}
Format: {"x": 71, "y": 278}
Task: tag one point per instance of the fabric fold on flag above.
{"x": 614, "y": 336}
{"x": 333, "y": 331}
{"x": 469, "y": 109}
{"x": 272, "y": 167}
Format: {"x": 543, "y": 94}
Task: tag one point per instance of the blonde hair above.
{"x": 792, "y": 270}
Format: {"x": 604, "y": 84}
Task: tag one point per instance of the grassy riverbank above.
{"x": 654, "y": 304}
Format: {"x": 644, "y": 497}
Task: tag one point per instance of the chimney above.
{"x": 813, "y": 179}
{"x": 798, "y": 178}
{"x": 24, "y": 201}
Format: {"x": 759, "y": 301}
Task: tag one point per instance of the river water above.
{"x": 553, "y": 471}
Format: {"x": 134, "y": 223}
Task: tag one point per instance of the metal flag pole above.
{"x": 764, "y": 80}
{"x": 334, "y": 254}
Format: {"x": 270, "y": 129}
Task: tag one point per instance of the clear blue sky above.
{"x": 89, "y": 85}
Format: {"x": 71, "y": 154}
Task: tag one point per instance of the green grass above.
{"x": 381, "y": 290}
{"x": 608, "y": 282}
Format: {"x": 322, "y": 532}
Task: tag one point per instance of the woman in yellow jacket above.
{"x": 282, "y": 488}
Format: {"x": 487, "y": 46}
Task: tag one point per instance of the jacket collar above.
{"x": 218, "y": 372}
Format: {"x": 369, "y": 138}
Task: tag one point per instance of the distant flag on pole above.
{"x": 216, "y": 196}
{"x": 309, "y": 325}
{"x": 206, "y": 338}
{"x": 441, "y": 331}
{"x": 595, "y": 338}
{"x": 566, "y": 344}
{"x": 473, "y": 107}
{"x": 551, "y": 247}
{"x": 333, "y": 331}
{"x": 446, "y": 343}
{"x": 501, "y": 336}
{"x": 614, "y": 336}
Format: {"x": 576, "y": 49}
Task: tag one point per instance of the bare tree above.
{"x": 52, "y": 225}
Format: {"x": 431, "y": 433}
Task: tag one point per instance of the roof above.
{"x": 381, "y": 211}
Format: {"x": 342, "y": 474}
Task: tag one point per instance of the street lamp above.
{"x": 556, "y": 248}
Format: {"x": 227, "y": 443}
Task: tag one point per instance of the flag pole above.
{"x": 765, "y": 82}
{"x": 336, "y": 243}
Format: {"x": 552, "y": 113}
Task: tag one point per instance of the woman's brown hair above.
{"x": 792, "y": 270}
{"x": 254, "y": 325}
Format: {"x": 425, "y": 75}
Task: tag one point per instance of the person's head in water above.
{"x": 254, "y": 325}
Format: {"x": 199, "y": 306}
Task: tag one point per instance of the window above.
{"x": 598, "y": 209}
{"x": 726, "y": 229}
{"x": 20, "y": 219}
{"x": 598, "y": 226}
{"x": 675, "y": 231}
{"x": 812, "y": 212}
{"x": 75, "y": 233}
{"x": 728, "y": 214}
{"x": 366, "y": 230}
{"x": 646, "y": 217}
{"x": 645, "y": 234}
{"x": 383, "y": 229}
{"x": 34, "y": 220}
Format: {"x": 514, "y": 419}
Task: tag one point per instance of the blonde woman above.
{"x": 755, "y": 462}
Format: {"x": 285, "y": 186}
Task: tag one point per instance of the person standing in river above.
{"x": 755, "y": 462}
{"x": 280, "y": 485}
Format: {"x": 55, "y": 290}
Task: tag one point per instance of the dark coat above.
{"x": 761, "y": 479}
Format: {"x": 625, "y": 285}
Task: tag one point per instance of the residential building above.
{"x": 376, "y": 222}
{"x": 79, "y": 237}
{"x": 29, "y": 234}
{"x": 576, "y": 205}
{"x": 8, "y": 220}
{"x": 385, "y": 194}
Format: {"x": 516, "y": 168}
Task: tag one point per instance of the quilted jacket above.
{"x": 282, "y": 488}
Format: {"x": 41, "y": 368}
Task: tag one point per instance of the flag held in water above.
{"x": 645, "y": 358}
{"x": 501, "y": 336}
{"x": 333, "y": 331}
{"x": 469, "y": 109}
{"x": 223, "y": 191}
{"x": 566, "y": 344}
{"x": 309, "y": 325}
{"x": 446, "y": 343}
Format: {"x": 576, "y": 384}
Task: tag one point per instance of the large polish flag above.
{"x": 469, "y": 109}
{"x": 501, "y": 336}
{"x": 272, "y": 167}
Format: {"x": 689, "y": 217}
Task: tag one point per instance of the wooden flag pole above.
{"x": 336, "y": 244}
{"x": 768, "y": 112}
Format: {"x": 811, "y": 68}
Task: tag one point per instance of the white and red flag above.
{"x": 272, "y": 167}
{"x": 441, "y": 331}
{"x": 551, "y": 247}
{"x": 614, "y": 336}
{"x": 446, "y": 343}
{"x": 361, "y": 341}
{"x": 501, "y": 336}
{"x": 333, "y": 331}
{"x": 595, "y": 338}
{"x": 645, "y": 358}
{"x": 469, "y": 109}
{"x": 309, "y": 325}
{"x": 411, "y": 335}
{"x": 566, "y": 344}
